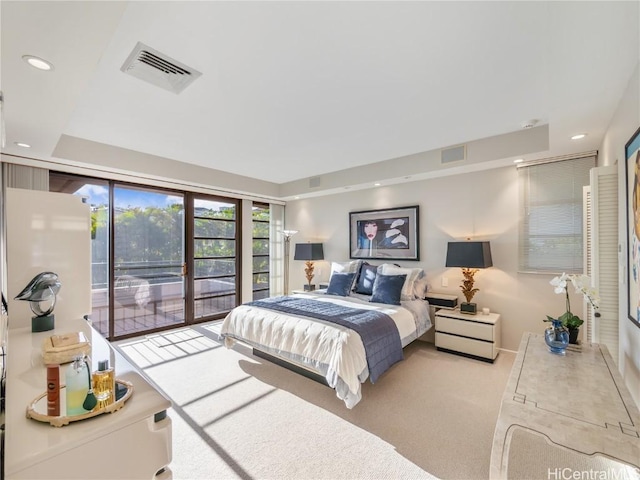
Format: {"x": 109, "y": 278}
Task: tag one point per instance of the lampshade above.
{"x": 308, "y": 251}
{"x": 469, "y": 255}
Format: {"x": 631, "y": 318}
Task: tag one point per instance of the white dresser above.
{"x": 133, "y": 442}
{"x": 472, "y": 335}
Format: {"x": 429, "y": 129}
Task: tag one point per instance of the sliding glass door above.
{"x": 160, "y": 258}
{"x": 148, "y": 260}
{"x": 214, "y": 256}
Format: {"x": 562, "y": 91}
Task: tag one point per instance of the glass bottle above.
{"x": 77, "y": 386}
{"x": 53, "y": 390}
{"x": 104, "y": 384}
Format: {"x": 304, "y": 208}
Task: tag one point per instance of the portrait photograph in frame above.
{"x": 632, "y": 173}
{"x": 389, "y": 234}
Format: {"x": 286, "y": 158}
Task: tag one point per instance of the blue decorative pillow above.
{"x": 364, "y": 284}
{"x": 387, "y": 289}
{"x": 340, "y": 284}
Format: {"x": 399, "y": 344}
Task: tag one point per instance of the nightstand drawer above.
{"x": 468, "y": 346}
{"x": 481, "y": 331}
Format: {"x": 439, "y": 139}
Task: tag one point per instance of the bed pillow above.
{"x": 411, "y": 275}
{"x": 420, "y": 287}
{"x": 340, "y": 284}
{"x": 388, "y": 288}
{"x": 346, "y": 267}
{"x": 366, "y": 277}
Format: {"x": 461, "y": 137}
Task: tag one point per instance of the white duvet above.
{"x": 335, "y": 352}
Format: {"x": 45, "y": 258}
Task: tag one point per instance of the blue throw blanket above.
{"x": 377, "y": 330}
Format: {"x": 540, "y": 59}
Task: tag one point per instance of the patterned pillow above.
{"x": 366, "y": 277}
{"x": 340, "y": 284}
{"x": 387, "y": 288}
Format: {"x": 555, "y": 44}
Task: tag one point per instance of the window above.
{"x": 260, "y": 219}
{"x": 160, "y": 257}
{"x": 216, "y": 242}
{"x": 550, "y": 239}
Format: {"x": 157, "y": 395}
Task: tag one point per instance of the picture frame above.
{"x": 632, "y": 178}
{"x": 386, "y": 234}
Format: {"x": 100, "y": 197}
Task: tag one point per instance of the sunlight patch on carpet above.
{"x": 159, "y": 348}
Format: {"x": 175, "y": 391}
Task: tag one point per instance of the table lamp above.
{"x": 309, "y": 252}
{"x": 470, "y": 256}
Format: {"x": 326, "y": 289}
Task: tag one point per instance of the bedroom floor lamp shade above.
{"x": 470, "y": 256}
{"x": 309, "y": 252}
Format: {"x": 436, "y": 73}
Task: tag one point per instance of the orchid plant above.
{"x": 582, "y": 285}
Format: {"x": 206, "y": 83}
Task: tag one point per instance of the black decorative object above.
{"x": 42, "y": 288}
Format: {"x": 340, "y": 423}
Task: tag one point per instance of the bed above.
{"x": 341, "y": 353}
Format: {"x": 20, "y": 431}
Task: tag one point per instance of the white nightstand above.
{"x": 476, "y": 336}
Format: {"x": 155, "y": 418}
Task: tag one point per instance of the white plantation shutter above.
{"x": 588, "y": 257}
{"x": 604, "y": 256}
{"x": 551, "y": 220}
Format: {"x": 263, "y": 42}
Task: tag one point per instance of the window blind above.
{"x": 551, "y": 219}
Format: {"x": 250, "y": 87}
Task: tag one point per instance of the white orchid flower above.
{"x": 559, "y": 283}
{"x": 397, "y": 223}
{"x": 392, "y": 232}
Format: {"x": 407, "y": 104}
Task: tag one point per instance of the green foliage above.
{"x": 568, "y": 319}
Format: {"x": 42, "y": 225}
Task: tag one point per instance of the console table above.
{"x": 572, "y": 411}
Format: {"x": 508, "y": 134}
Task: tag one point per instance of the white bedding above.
{"x": 335, "y": 352}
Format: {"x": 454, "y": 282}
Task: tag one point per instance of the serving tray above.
{"x": 39, "y": 404}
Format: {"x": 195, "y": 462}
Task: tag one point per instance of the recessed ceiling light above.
{"x": 578, "y": 136}
{"x": 37, "y": 62}
{"x": 23, "y": 145}
{"x": 376, "y": 184}
{"x": 518, "y": 160}
{"x": 296, "y": 198}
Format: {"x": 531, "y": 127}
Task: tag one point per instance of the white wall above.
{"x": 623, "y": 125}
{"x": 482, "y": 205}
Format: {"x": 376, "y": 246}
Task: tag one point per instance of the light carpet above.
{"x": 238, "y": 416}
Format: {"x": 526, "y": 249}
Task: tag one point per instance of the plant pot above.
{"x": 573, "y": 335}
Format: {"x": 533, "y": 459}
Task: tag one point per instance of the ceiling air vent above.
{"x": 158, "y": 69}
{"x": 453, "y": 154}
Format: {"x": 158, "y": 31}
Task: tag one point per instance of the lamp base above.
{"x": 470, "y": 308}
{"x": 42, "y": 324}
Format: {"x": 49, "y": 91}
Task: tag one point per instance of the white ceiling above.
{"x": 290, "y": 90}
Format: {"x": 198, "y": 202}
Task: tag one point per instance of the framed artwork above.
{"x": 390, "y": 234}
{"x": 632, "y": 173}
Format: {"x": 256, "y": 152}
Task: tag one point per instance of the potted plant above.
{"x": 582, "y": 284}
